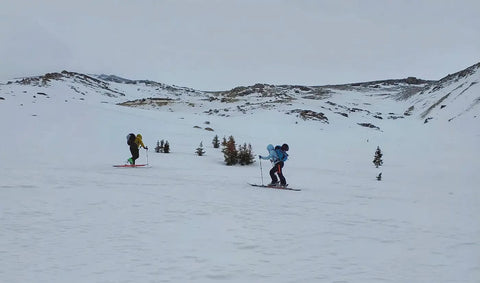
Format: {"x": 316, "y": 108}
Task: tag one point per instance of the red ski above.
{"x": 131, "y": 165}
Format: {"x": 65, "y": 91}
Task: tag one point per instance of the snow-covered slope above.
{"x": 451, "y": 97}
{"x": 68, "y": 215}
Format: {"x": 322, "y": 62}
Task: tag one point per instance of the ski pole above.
{"x": 261, "y": 170}
{"x": 146, "y": 153}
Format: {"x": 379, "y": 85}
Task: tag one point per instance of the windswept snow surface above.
{"x": 66, "y": 215}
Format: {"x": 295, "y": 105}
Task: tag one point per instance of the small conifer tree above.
{"x": 224, "y": 142}
{"x": 166, "y": 147}
{"x": 161, "y": 147}
{"x": 216, "y": 142}
{"x": 200, "y": 151}
{"x": 230, "y": 152}
{"x": 377, "y": 159}
{"x": 245, "y": 155}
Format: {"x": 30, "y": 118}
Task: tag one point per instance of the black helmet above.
{"x": 285, "y": 147}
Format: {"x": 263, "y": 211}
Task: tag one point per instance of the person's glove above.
{"x": 146, "y": 148}
{"x": 259, "y": 156}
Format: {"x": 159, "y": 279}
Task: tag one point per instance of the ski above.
{"x": 131, "y": 165}
{"x": 275, "y": 187}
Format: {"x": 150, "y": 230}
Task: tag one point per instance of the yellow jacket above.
{"x": 138, "y": 141}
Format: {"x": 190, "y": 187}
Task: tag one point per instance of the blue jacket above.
{"x": 272, "y": 154}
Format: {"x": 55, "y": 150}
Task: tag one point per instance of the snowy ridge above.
{"x": 451, "y": 97}
{"x": 108, "y": 89}
{"x": 365, "y": 103}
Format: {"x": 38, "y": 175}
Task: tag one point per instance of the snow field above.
{"x": 68, "y": 215}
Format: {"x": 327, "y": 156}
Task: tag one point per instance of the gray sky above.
{"x": 221, "y": 44}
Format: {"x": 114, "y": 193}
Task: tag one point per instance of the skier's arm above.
{"x": 140, "y": 142}
{"x": 264, "y": 157}
{"x": 272, "y": 156}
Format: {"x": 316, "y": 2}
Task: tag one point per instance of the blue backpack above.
{"x": 282, "y": 155}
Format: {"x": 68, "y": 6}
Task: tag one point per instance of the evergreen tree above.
{"x": 166, "y": 147}
{"x": 249, "y": 154}
{"x": 200, "y": 150}
{"x": 377, "y": 159}
{"x": 245, "y": 155}
{"x": 230, "y": 152}
{"x": 224, "y": 142}
{"x": 216, "y": 142}
{"x": 162, "y": 145}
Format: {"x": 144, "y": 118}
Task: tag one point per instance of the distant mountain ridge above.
{"x": 366, "y": 103}
{"x": 459, "y": 92}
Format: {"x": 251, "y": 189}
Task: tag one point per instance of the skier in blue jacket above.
{"x": 277, "y": 155}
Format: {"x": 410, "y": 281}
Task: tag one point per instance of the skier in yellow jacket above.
{"x": 135, "y": 142}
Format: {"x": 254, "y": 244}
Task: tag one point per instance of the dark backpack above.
{"x": 282, "y": 155}
{"x": 130, "y": 139}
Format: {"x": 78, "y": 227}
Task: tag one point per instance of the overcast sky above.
{"x": 221, "y": 44}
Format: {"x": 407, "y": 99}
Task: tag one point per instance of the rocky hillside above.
{"x": 367, "y": 104}
{"x": 453, "y": 96}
